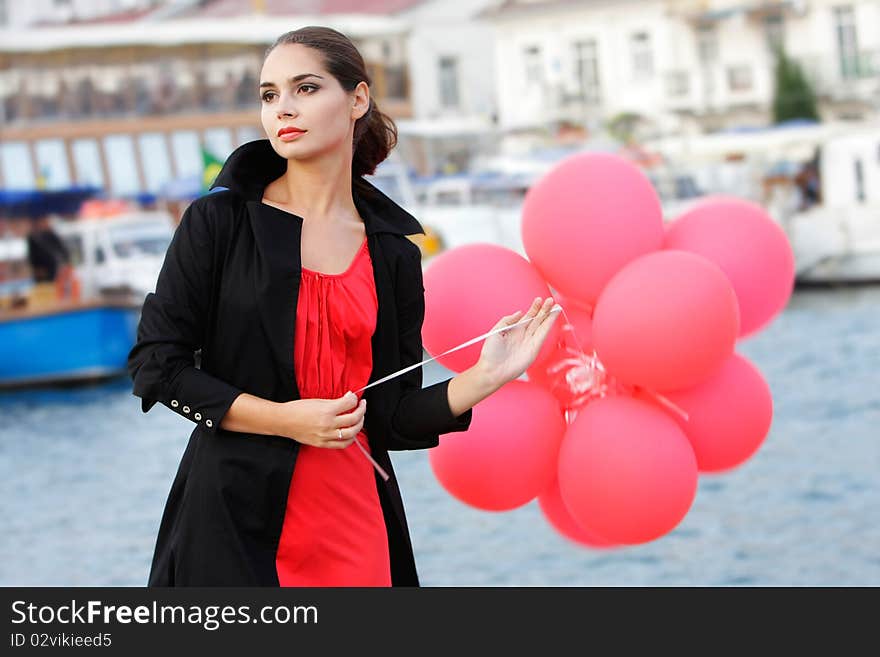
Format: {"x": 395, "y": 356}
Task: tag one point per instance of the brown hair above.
{"x": 375, "y": 133}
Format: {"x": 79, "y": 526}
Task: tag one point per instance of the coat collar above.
{"x": 253, "y": 165}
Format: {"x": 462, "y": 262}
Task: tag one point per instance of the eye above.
{"x": 311, "y": 86}
{"x": 265, "y": 96}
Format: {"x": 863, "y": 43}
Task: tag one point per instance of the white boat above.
{"x": 120, "y": 255}
{"x": 837, "y": 239}
{"x": 486, "y": 206}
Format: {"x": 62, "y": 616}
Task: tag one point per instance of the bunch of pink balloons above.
{"x": 638, "y": 388}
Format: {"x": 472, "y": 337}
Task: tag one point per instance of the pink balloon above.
{"x": 508, "y": 454}
{"x": 666, "y": 321}
{"x": 752, "y": 249}
{"x": 588, "y": 217}
{"x": 626, "y": 470}
{"x": 554, "y": 510}
{"x": 729, "y": 415}
{"x": 467, "y": 290}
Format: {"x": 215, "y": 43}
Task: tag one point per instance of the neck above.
{"x": 318, "y": 190}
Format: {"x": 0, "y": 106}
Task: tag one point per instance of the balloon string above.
{"x": 668, "y": 404}
{"x": 378, "y": 467}
{"x": 592, "y": 361}
{"x": 525, "y": 320}
{"x": 500, "y": 329}
{"x": 594, "y": 365}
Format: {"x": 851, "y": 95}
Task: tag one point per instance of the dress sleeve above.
{"x": 172, "y": 328}
{"x": 422, "y": 414}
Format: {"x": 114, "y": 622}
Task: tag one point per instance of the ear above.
{"x": 361, "y": 100}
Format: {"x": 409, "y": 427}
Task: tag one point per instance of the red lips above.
{"x": 284, "y": 131}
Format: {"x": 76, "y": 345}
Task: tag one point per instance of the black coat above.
{"x": 229, "y": 287}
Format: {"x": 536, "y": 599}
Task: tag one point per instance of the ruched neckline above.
{"x": 350, "y": 267}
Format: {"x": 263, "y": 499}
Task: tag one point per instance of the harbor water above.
{"x": 84, "y": 475}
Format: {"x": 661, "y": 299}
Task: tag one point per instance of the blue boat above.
{"x": 76, "y": 343}
{"x": 50, "y": 337}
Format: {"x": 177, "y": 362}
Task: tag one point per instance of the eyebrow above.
{"x": 293, "y": 80}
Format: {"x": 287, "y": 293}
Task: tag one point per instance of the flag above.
{"x": 210, "y": 168}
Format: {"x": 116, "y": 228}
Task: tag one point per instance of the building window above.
{"x": 448, "y": 77}
{"x": 774, "y": 31}
{"x": 707, "y": 44}
{"x": 586, "y": 68}
{"x": 847, "y": 41}
{"x": 4, "y": 13}
{"x": 677, "y": 84}
{"x": 739, "y": 78}
{"x": 534, "y": 67}
{"x": 642, "y": 58}
{"x": 860, "y": 181}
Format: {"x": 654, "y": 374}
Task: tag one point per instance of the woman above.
{"x": 298, "y": 284}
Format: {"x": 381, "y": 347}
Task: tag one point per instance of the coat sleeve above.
{"x": 422, "y": 414}
{"x": 172, "y": 328}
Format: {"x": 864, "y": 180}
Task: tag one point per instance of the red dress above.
{"x": 334, "y": 531}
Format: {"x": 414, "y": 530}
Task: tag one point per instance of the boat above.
{"x": 72, "y": 342}
{"x": 485, "y": 205}
{"x": 119, "y": 254}
{"x": 80, "y": 326}
{"x": 836, "y": 235}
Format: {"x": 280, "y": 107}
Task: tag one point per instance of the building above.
{"x": 703, "y": 64}
{"x": 452, "y": 82}
{"x": 127, "y": 101}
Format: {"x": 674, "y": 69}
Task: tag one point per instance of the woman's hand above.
{"x": 506, "y": 355}
{"x": 318, "y": 422}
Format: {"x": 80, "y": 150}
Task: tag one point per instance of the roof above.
{"x": 232, "y": 8}
{"x": 253, "y": 29}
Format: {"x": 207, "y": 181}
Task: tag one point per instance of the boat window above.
{"x": 75, "y": 247}
{"x": 99, "y": 256}
{"x": 141, "y": 246}
{"x": 140, "y": 240}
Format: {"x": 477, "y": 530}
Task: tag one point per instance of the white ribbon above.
{"x": 525, "y": 320}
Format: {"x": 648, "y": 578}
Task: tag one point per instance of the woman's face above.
{"x": 297, "y": 92}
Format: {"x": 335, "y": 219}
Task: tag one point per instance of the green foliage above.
{"x": 793, "y": 96}
{"x": 622, "y": 126}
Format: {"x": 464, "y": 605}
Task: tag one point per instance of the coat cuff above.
{"x": 425, "y": 414}
{"x": 197, "y": 396}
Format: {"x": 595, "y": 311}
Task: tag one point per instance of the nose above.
{"x": 286, "y": 106}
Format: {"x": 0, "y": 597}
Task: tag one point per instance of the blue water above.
{"x": 84, "y": 476}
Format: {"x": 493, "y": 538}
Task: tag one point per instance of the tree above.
{"x": 793, "y": 96}
{"x": 623, "y": 126}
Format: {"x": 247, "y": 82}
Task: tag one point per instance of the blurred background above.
{"x": 116, "y": 114}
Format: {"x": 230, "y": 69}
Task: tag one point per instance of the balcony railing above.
{"x": 835, "y": 75}
{"x": 163, "y": 95}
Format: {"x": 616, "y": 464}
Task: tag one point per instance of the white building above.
{"x": 704, "y": 62}
{"x": 451, "y": 68}
{"x": 451, "y": 64}
{"x": 16, "y": 13}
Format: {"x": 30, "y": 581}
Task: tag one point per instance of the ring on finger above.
{"x": 339, "y": 433}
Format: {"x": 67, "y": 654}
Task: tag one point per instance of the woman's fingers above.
{"x": 541, "y": 313}
{"x": 347, "y": 419}
{"x": 546, "y": 324}
{"x": 347, "y": 434}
